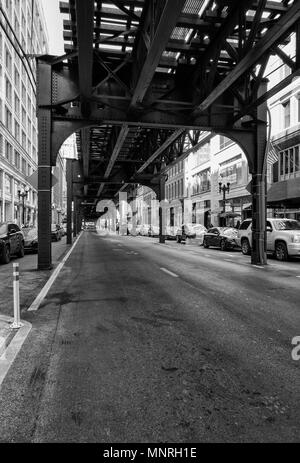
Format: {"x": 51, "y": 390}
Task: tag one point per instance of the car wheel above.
{"x": 205, "y": 245}
{"x": 178, "y": 239}
{"x": 223, "y": 245}
{"x": 22, "y": 251}
{"x": 281, "y": 252}
{"x": 246, "y": 250}
{"x": 6, "y": 255}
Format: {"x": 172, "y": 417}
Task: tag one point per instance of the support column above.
{"x": 259, "y": 213}
{"x": 162, "y": 209}
{"x": 44, "y": 168}
{"x": 75, "y": 212}
{"x": 69, "y": 175}
{"x": 3, "y": 197}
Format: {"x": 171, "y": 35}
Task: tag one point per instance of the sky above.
{"x": 54, "y": 21}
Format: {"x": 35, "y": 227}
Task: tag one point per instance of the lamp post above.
{"x": 224, "y": 189}
{"x": 23, "y": 193}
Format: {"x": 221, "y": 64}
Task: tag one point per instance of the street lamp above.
{"x": 23, "y": 193}
{"x": 225, "y": 189}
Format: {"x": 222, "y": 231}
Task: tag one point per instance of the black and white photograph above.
{"x": 149, "y": 226}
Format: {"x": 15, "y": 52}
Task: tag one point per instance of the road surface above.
{"x": 142, "y": 342}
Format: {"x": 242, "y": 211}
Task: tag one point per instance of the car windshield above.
{"x": 286, "y": 225}
{"x": 29, "y": 232}
{"x": 3, "y": 228}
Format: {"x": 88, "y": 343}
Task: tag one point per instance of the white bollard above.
{"x": 16, "y": 323}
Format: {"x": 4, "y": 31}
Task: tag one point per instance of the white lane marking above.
{"x": 13, "y": 348}
{"x": 297, "y": 276}
{"x": 257, "y": 266}
{"x": 228, "y": 260}
{"x": 168, "y": 272}
{"x": 37, "y": 302}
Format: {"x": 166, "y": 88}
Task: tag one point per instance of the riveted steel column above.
{"x": 44, "y": 167}
{"x": 69, "y": 199}
{"x": 259, "y": 238}
{"x": 162, "y": 209}
{"x": 75, "y": 212}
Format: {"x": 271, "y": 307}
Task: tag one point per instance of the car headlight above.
{"x": 296, "y": 239}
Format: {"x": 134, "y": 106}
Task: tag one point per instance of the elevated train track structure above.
{"x": 140, "y": 80}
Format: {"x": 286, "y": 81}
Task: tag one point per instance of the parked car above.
{"x": 283, "y": 237}
{"x": 221, "y": 237}
{"x": 55, "y": 232}
{"x": 62, "y": 230}
{"x": 170, "y": 232}
{"x": 153, "y": 231}
{"x": 144, "y": 230}
{"x": 30, "y": 239}
{"x": 191, "y": 230}
{"x": 11, "y": 241}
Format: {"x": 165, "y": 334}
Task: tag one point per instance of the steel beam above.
{"x": 85, "y": 25}
{"x": 161, "y": 37}
{"x": 161, "y": 149}
{"x": 268, "y": 40}
{"x": 117, "y": 148}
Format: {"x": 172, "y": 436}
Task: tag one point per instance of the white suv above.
{"x": 283, "y": 237}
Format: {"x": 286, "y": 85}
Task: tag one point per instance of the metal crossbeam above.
{"x": 161, "y": 149}
{"x": 85, "y": 24}
{"x": 268, "y": 40}
{"x": 161, "y": 37}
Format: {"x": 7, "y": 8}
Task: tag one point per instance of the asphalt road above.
{"x": 142, "y": 342}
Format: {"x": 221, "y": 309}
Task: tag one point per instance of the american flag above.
{"x": 272, "y": 154}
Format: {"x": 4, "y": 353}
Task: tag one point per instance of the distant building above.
{"x": 23, "y": 33}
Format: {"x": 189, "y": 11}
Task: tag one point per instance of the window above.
{"x": 7, "y": 184}
{"x": 17, "y": 105}
{"x": 8, "y": 119}
{"x": 201, "y": 156}
{"x": 17, "y": 79}
{"x": 8, "y": 61}
{"x": 288, "y": 163}
{"x": 1, "y": 144}
{"x": 224, "y": 142}
{"x": 201, "y": 182}
{"x": 17, "y": 131}
{"x": 23, "y": 139}
{"x": 286, "y": 114}
{"x": 231, "y": 170}
{"x": 8, "y": 152}
{"x": 17, "y": 160}
{"x": 8, "y": 90}
{"x": 24, "y": 166}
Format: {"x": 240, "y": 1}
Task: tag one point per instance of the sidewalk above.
{"x": 31, "y": 282}
{"x": 11, "y": 341}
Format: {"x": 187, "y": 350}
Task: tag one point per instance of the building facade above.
{"x": 284, "y": 169}
{"x": 22, "y": 33}
{"x": 217, "y": 162}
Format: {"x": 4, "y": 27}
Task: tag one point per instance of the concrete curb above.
{"x": 15, "y": 341}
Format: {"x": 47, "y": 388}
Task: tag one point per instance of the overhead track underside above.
{"x": 141, "y": 79}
